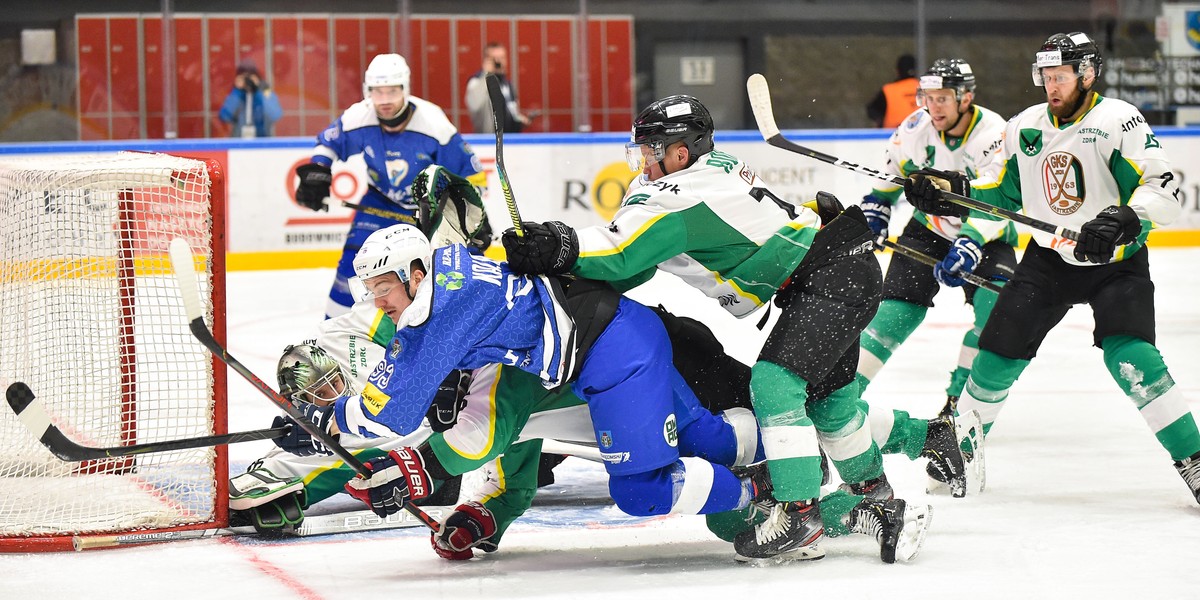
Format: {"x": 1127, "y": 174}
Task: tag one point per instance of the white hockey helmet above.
{"x": 389, "y": 250}
{"x": 386, "y": 70}
{"x": 307, "y": 374}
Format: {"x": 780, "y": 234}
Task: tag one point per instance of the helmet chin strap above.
{"x": 399, "y": 118}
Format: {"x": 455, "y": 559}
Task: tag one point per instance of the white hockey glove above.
{"x": 450, "y": 210}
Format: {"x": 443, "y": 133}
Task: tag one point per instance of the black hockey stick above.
{"x": 381, "y": 212}
{"x": 923, "y": 258}
{"x": 499, "y": 117}
{"x": 30, "y": 411}
{"x": 343, "y": 522}
{"x": 760, "y": 103}
{"x": 185, "y": 275}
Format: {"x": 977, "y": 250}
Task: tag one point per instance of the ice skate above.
{"x": 875, "y": 489}
{"x": 1189, "y": 470}
{"x": 791, "y": 531}
{"x": 899, "y": 527}
{"x": 946, "y": 461}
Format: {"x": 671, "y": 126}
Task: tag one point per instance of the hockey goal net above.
{"x": 92, "y": 322}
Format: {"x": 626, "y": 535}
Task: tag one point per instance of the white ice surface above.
{"x": 1081, "y": 501}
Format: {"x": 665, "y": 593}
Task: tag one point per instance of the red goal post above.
{"x": 91, "y": 320}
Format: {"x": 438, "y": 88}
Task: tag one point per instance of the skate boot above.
{"x": 791, "y": 531}
{"x": 875, "y": 489}
{"x": 760, "y": 483}
{"x": 946, "y": 461}
{"x": 950, "y": 406}
{"x": 1189, "y": 470}
{"x": 899, "y": 527}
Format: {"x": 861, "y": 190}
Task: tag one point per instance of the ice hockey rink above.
{"x": 1081, "y": 501}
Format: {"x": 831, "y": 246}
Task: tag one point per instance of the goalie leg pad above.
{"x": 270, "y": 503}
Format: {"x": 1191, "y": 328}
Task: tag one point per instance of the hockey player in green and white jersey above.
{"x": 1091, "y": 164}
{"x": 705, "y": 216}
{"x": 949, "y": 133}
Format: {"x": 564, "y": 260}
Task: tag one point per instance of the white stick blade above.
{"x": 184, "y": 265}
{"x": 760, "y": 103}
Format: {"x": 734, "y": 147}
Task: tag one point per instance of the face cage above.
{"x": 361, "y": 293}
{"x": 635, "y": 156}
{"x": 332, "y": 379}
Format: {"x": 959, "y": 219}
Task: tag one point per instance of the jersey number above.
{"x": 758, "y": 193}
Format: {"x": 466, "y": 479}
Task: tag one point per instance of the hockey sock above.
{"x": 788, "y": 436}
{"x": 991, "y": 377}
{"x": 835, "y": 512}
{"x": 845, "y": 436}
{"x": 893, "y": 323}
{"x": 982, "y": 303}
{"x": 1138, "y": 368}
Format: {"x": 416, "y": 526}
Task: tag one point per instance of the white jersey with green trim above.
{"x": 917, "y": 144}
{"x": 1066, "y": 173}
{"x": 356, "y": 340}
{"x": 715, "y": 224}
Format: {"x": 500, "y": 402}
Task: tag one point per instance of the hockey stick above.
{"x": 185, "y": 275}
{"x": 30, "y": 411}
{"x": 344, "y": 522}
{"x": 499, "y": 115}
{"x": 926, "y": 259}
{"x": 381, "y": 212}
{"x": 760, "y": 103}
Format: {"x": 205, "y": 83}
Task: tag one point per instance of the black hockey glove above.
{"x": 924, "y": 190}
{"x": 300, "y": 442}
{"x": 315, "y": 181}
{"x": 450, "y": 399}
{"x": 1098, "y": 238}
{"x": 548, "y": 248}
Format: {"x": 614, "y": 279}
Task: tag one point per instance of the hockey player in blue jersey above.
{"x": 398, "y": 136}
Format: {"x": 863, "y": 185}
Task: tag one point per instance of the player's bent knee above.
{"x": 643, "y": 494}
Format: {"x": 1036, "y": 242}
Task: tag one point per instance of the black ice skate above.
{"x": 790, "y": 532}
{"x": 875, "y": 489}
{"x": 1189, "y": 470}
{"x": 899, "y": 528}
{"x": 947, "y": 465}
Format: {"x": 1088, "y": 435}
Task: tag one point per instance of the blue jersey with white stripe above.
{"x": 469, "y": 312}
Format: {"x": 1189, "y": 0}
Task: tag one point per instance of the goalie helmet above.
{"x": 307, "y": 374}
{"x": 1075, "y": 49}
{"x": 390, "y": 250}
{"x": 669, "y": 120}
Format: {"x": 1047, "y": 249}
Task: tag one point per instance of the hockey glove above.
{"x": 963, "y": 257}
{"x": 450, "y": 399}
{"x": 396, "y": 480}
{"x": 548, "y": 248}
{"x": 827, "y": 207}
{"x": 924, "y": 190}
{"x": 271, "y": 504}
{"x": 315, "y": 181}
{"x": 300, "y": 442}
{"x": 471, "y": 525}
{"x": 1098, "y": 238}
{"x": 449, "y": 209}
{"x": 878, "y": 213}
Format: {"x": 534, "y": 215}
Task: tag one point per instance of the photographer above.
{"x": 255, "y": 118}
{"x": 495, "y": 60}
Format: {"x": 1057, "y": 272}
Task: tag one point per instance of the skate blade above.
{"x": 916, "y": 525}
{"x": 970, "y": 432}
{"x": 809, "y": 552}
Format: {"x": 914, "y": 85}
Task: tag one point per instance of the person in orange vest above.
{"x": 897, "y": 99}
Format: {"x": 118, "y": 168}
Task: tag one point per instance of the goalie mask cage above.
{"x": 91, "y": 319}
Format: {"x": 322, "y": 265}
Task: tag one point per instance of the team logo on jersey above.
{"x": 1031, "y": 141}
{"x": 606, "y": 440}
{"x": 930, "y": 152}
{"x": 1152, "y": 142}
{"x": 1063, "y": 182}
{"x": 636, "y": 199}
{"x": 394, "y": 350}
{"x": 671, "y": 431}
{"x": 382, "y": 374}
{"x": 451, "y": 281}
{"x": 912, "y": 122}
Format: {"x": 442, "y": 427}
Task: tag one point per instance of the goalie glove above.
{"x": 300, "y": 442}
{"x": 471, "y": 525}
{"x": 924, "y": 190}
{"x": 450, "y": 399}
{"x": 315, "y": 181}
{"x": 962, "y": 259}
{"x": 396, "y": 480}
{"x": 271, "y": 504}
{"x": 449, "y": 209}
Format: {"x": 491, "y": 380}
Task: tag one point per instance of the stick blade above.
{"x": 760, "y": 103}
{"x": 184, "y": 265}
{"x": 31, "y": 414}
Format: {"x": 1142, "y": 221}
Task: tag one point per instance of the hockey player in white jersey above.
{"x": 1091, "y": 164}
{"x": 950, "y": 133}
{"x": 398, "y": 136}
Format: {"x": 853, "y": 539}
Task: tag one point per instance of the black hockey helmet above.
{"x": 1076, "y": 49}
{"x": 669, "y": 120}
{"x": 947, "y": 74}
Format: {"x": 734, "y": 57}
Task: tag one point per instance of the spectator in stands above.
{"x": 257, "y": 117}
{"x": 897, "y": 99}
{"x": 495, "y": 60}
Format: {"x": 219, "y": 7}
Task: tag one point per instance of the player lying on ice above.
{"x": 664, "y": 452}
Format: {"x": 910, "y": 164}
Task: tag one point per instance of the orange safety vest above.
{"x": 901, "y": 99}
